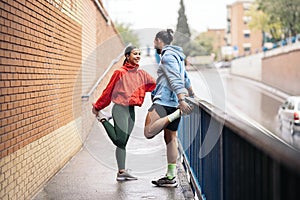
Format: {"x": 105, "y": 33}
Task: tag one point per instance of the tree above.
{"x": 261, "y": 21}
{"x": 285, "y": 11}
{"x": 126, "y": 33}
{"x": 202, "y": 45}
{"x": 182, "y": 34}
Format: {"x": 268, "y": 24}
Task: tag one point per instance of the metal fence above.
{"x": 244, "y": 162}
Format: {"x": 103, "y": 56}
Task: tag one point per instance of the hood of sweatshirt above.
{"x": 174, "y": 49}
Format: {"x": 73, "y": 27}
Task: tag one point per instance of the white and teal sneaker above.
{"x": 165, "y": 182}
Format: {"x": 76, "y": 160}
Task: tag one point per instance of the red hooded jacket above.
{"x": 126, "y": 87}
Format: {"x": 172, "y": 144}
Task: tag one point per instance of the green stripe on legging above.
{"x": 124, "y": 118}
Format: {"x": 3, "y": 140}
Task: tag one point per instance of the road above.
{"x": 244, "y": 99}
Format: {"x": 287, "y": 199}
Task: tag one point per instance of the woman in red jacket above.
{"x": 126, "y": 89}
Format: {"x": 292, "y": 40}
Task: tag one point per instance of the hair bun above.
{"x": 166, "y": 36}
{"x": 170, "y": 31}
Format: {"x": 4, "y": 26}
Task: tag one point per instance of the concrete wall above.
{"x": 43, "y": 47}
{"x": 278, "y": 68}
{"x": 249, "y": 66}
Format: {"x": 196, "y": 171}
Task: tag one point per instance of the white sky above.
{"x": 201, "y": 14}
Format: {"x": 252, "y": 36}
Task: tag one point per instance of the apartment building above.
{"x": 218, "y": 37}
{"x": 239, "y": 37}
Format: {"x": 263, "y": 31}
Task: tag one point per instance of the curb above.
{"x": 183, "y": 182}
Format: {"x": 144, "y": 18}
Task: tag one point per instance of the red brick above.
{"x": 40, "y": 68}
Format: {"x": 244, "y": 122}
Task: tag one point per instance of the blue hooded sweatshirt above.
{"x": 172, "y": 77}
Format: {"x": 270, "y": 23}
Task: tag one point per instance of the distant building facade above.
{"x": 239, "y": 37}
{"x": 218, "y": 38}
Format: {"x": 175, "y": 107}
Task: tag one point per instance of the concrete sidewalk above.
{"x": 91, "y": 174}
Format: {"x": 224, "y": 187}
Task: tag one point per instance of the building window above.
{"x": 247, "y": 6}
{"x": 247, "y": 47}
{"x": 246, "y": 33}
{"x": 246, "y": 19}
{"x": 228, "y": 27}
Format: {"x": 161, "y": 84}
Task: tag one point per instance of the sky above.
{"x": 201, "y": 14}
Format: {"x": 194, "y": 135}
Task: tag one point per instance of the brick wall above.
{"x": 282, "y": 71}
{"x": 43, "y": 47}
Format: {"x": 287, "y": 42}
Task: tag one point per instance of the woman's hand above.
{"x": 185, "y": 107}
{"x": 94, "y": 111}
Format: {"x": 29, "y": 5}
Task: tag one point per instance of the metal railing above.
{"x": 245, "y": 163}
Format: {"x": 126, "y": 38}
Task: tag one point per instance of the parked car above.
{"x": 289, "y": 113}
{"x": 222, "y": 64}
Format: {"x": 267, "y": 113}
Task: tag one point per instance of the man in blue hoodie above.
{"x": 172, "y": 86}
